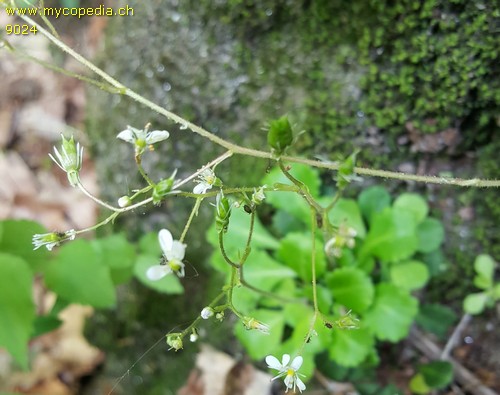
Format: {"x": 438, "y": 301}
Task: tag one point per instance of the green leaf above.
{"x": 485, "y": 268}
{"x": 78, "y": 275}
{"x": 414, "y": 204}
{"x": 169, "y": 284}
{"x": 391, "y": 237}
{"x": 118, "y": 255}
{"x": 352, "y": 288}
{"x": 436, "y": 318}
{"x": 293, "y": 204}
{"x": 409, "y": 275}
{"x": 44, "y": 324}
{"x": 351, "y": 347}
{"x": 418, "y": 384}
{"x": 496, "y": 291}
{"x": 392, "y": 313}
{"x": 295, "y": 251}
{"x": 257, "y": 344}
{"x": 149, "y": 244}
{"x": 475, "y": 303}
{"x": 430, "y": 234}
{"x": 437, "y": 374}
{"x": 346, "y": 211}
{"x": 16, "y": 239}
{"x": 17, "y": 310}
{"x": 373, "y": 200}
{"x": 236, "y": 237}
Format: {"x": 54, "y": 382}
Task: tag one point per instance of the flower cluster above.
{"x": 173, "y": 252}
{"x": 288, "y": 370}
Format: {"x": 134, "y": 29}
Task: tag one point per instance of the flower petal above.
{"x": 300, "y": 384}
{"x": 273, "y": 363}
{"x": 297, "y": 363}
{"x": 156, "y": 136}
{"x": 157, "y": 272}
{"x": 177, "y": 251}
{"x": 127, "y": 135}
{"x": 289, "y": 380}
{"x": 285, "y": 360}
{"x": 201, "y": 188}
{"x": 166, "y": 241}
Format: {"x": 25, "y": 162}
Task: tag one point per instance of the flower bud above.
{"x": 279, "y": 135}
{"x": 207, "y": 312}
{"x": 223, "y": 212}
{"x": 219, "y": 316}
{"x": 124, "y": 201}
{"x": 163, "y": 187}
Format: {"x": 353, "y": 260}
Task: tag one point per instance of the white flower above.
{"x": 69, "y": 159}
{"x": 173, "y": 251}
{"x": 51, "y": 240}
{"x": 292, "y": 380}
{"x": 258, "y": 195}
{"x": 142, "y": 138}
{"x": 206, "y": 180}
{"x": 124, "y": 201}
{"x": 206, "y": 313}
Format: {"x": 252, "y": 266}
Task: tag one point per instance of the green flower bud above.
{"x": 279, "y": 135}
{"x": 163, "y": 187}
{"x": 223, "y": 212}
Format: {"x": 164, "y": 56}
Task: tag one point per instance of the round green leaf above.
{"x": 169, "y": 284}
{"x": 410, "y": 275}
{"x": 436, "y": 318}
{"x": 352, "y": 288}
{"x": 413, "y": 203}
{"x": 351, "y": 347}
{"x": 418, "y": 384}
{"x": 16, "y": 240}
{"x": 437, "y": 374}
{"x": 78, "y": 275}
{"x": 430, "y": 234}
{"x": 373, "y": 200}
{"x": 392, "y": 312}
{"x": 296, "y": 250}
{"x": 346, "y": 212}
{"x": 474, "y": 303}
{"x": 17, "y": 310}
{"x": 485, "y": 267}
{"x": 392, "y": 236}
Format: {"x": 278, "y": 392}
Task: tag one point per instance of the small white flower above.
{"x": 141, "y": 138}
{"x": 292, "y": 380}
{"x": 344, "y": 238}
{"x": 206, "y": 313}
{"x": 206, "y": 180}
{"x": 173, "y": 251}
{"x": 193, "y": 337}
{"x": 51, "y": 240}
{"x": 258, "y": 195}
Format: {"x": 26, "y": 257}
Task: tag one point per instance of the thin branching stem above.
{"x": 237, "y": 149}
